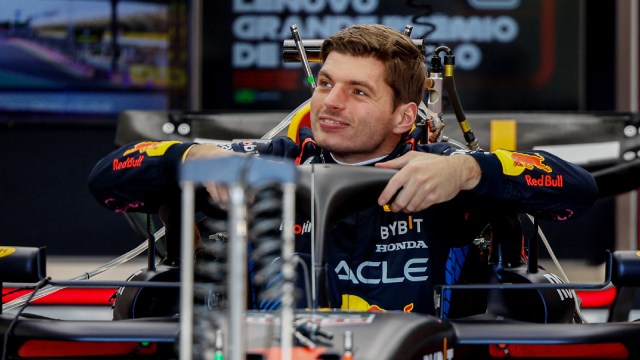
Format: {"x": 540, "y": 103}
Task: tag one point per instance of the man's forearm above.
{"x": 205, "y": 151}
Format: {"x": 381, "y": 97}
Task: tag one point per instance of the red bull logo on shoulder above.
{"x": 515, "y": 163}
{"x": 127, "y": 163}
{"x": 151, "y": 148}
{"x": 530, "y": 161}
{"x": 356, "y": 303}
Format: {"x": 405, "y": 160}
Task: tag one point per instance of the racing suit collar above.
{"x": 311, "y": 153}
{"x": 405, "y": 145}
{"x": 361, "y": 163}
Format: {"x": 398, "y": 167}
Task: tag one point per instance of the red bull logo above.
{"x": 544, "y": 181}
{"x": 529, "y": 161}
{"x": 151, "y": 148}
{"x": 128, "y": 163}
{"x": 356, "y": 303}
{"x": 515, "y": 163}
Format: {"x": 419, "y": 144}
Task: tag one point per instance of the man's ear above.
{"x": 406, "y": 117}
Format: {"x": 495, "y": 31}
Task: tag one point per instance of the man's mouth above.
{"x": 328, "y": 121}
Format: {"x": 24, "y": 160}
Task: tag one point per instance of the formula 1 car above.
{"x": 170, "y": 311}
{"x": 530, "y": 324}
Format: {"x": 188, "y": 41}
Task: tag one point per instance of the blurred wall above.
{"x": 45, "y": 200}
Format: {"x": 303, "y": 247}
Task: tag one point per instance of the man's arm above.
{"x": 218, "y": 193}
{"x": 536, "y": 182}
{"x": 137, "y": 177}
{"x": 205, "y": 151}
{"x": 426, "y": 179}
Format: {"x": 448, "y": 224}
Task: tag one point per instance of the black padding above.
{"x": 626, "y": 268}
{"x": 22, "y": 264}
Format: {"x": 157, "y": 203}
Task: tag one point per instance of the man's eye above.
{"x": 324, "y": 83}
{"x": 359, "y": 92}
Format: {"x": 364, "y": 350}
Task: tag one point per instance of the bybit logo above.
{"x": 401, "y": 227}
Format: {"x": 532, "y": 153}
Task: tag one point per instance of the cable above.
{"x": 450, "y": 86}
{"x": 424, "y": 11}
{"x": 576, "y": 299}
{"x": 457, "y": 144}
{"x": 47, "y": 290}
{"x": 39, "y": 285}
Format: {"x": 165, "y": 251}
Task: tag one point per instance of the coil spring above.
{"x": 210, "y": 275}
{"x": 265, "y": 221}
{"x": 204, "y": 333}
{"x": 210, "y": 267}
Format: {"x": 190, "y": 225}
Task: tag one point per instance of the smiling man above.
{"x": 362, "y": 113}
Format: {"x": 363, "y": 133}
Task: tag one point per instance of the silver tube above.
{"x": 314, "y": 292}
{"x": 238, "y": 271}
{"x": 288, "y": 271}
{"x": 186, "y": 272}
{"x": 303, "y": 57}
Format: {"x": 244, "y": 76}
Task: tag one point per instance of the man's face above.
{"x": 352, "y": 111}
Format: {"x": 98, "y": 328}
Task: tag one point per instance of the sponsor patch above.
{"x": 379, "y": 272}
{"x": 544, "y": 181}
{"x": 356, "y": 303}
{"x": 515, "y": 163}
{"x": 127, "y": 163}
{"x": 401, "y": 227}
{"x": 151, "y": 148}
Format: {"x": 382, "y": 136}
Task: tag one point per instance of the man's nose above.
{"x": 336, "y": 98}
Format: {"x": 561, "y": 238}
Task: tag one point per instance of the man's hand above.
{"x": 426, "y": 179}
{"x": 218, "y": 192}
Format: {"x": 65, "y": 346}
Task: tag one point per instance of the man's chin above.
{"x": 329, "y": 145}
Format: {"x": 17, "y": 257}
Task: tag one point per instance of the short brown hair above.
{"x": 404, "y": 62}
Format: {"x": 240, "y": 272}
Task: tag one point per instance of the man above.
{"x": 362, "y": 113}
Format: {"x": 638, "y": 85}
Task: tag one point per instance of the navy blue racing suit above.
{"x": 377, "y": 260}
